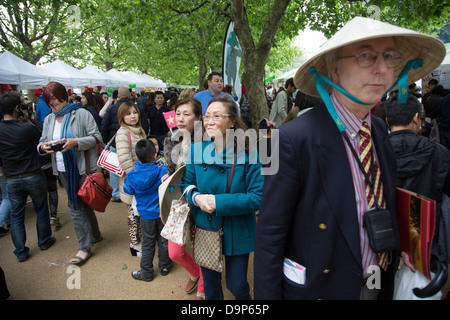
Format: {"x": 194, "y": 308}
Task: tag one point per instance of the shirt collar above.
{"x": 351, "y": 122}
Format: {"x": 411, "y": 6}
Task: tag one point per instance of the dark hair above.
{"x": 194, "y": 103}
{"x": 122, "y": 112}
{"x": 8, "y": 102}
{"x": 433, "y": 81}
{"x": 289, "y": 81}
{"x": 214, "y": 73}
{"x": 97, "y": 102}
{"x": 145, "y": 151}
{"x": 57, "y": 90}
{"x": 402, "y": 114}
{"x": 160, "y": 92}
{"x": 304, "y": 101}
{"x": 231, "y": 108}
{"x": 89, "y": 97}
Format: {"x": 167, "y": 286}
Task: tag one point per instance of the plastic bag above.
{"x": 406, "y": 281}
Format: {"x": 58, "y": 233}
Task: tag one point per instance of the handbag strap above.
{"x": 86, "y": 155}
{"x": 110, "y": 141}
{"x": 230, "y": 180}
{"x": 187, "y": 190}
{"x": 129, "y": 144}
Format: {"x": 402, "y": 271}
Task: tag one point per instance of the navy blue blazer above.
{"x": 308, "y": 212}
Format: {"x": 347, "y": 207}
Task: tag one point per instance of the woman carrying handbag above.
{"x": 129, "y": 133}
{"x": 209, "y": 168}
{"x": 188, "y": 116}
{"x": 76, "y": 131}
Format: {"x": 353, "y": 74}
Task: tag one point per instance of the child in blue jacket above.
{"x": 143, "y": 182}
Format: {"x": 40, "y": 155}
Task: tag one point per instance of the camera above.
{"x": 57, "y": 145}
{"x": 24, "y": 108}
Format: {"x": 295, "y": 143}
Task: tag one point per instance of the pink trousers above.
{"x": 179, "y": 255}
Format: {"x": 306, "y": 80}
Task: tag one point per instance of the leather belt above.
{"x": 23, "y": 175}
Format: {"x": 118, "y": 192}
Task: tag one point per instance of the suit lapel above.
{"x": 337, "y": 182}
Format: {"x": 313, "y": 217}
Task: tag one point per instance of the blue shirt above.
{"x": 143, "y": 182}
{"x": 42, "y": 110}
{"x": 206, "y": 96}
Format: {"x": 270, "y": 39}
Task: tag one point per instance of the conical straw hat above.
{"x": 408, "y": 43}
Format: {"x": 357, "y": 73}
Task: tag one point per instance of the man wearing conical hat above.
{"x": 319, "y": 234}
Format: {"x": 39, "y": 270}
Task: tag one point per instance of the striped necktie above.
{"x": 365, "y": 148}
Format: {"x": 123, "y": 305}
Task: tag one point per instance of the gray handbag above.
{"x": 208, "y": 243}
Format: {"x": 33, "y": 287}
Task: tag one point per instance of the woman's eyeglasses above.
{"x": 215, "y": 117}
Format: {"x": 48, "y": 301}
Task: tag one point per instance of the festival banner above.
{"x": 232, "y": 61}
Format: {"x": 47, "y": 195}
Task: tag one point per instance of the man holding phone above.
{"x": 21, "y": 166}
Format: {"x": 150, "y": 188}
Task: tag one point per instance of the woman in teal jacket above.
{"x": 208, "y": 169}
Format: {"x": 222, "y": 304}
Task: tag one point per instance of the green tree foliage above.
{"x": 180, "y": 41}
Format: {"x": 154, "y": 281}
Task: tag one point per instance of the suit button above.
{"x": 322, "y": 226}
{"x": 209, "y": 217}
{"x": 326, "y": 271}
{"x": 205, "y": 168}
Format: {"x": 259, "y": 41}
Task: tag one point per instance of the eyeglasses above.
{"x": 368, "y": 58}
{"x": 215, "y": 117}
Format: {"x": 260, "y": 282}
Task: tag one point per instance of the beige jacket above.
{"x": 127, "y": 155}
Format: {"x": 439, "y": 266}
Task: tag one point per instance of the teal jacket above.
{"x": 209, "y": 172}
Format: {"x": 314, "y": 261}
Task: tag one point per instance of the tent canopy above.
{"x": 75, "y": 77}
{"x": 446, "y": 61}
{"x": 14, "y": 70}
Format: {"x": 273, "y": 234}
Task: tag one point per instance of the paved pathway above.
{"x": 106, "y": 275}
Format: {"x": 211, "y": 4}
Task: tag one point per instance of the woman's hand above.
{"x": 46, "y": 147}
{"x": 70, "y": 143}
{"x": 206, "y": 202}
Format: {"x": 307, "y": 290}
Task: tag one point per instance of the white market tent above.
{"x": 110, "y": 81}
{"x": 118, "y": 77}
{"x": 135, "y": 79}
{"x": 75, "y": 77}
{"x": 16, "y": 71}
{"x": 152, "y": 82}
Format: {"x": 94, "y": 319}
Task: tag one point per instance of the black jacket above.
{"x": 423, "y": 166}
{"x": 110, "y": 124}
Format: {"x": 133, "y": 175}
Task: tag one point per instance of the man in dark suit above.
{"x": 311, "y": 242}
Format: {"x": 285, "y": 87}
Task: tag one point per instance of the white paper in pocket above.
{"x": 294, "y": 271}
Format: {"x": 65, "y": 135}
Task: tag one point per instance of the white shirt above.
{"x": 58, "y": 156}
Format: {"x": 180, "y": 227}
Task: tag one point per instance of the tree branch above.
{"x": 190, "y": 10}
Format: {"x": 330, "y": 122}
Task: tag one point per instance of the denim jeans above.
{"x": 4, "y": 206}
{"x": 18, "y": 190}
{"x": 84, "y": 220}
{"x": 114, "y": 180}
{"x": 236, "y": 279}
{"x": 151, "y": 233}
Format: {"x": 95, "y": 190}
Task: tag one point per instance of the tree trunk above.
{"x": 255, "y": 58}
{"x": 109, "y": 65}
{"x": 203, "y": 67}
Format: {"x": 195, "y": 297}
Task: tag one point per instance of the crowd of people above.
{"x": 342, "y": 150}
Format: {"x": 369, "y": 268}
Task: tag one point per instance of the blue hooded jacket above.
{"x": 143, "y": 182}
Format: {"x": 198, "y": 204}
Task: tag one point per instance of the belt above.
{"x": 26, "y": 174}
